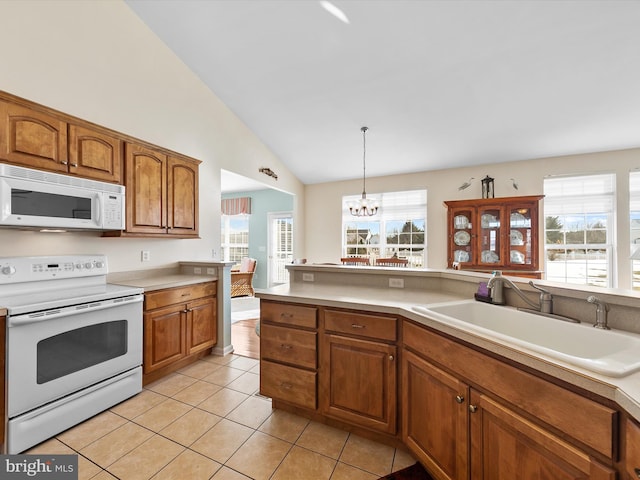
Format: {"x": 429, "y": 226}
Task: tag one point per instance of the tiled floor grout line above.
{"x": 171, "y": 386}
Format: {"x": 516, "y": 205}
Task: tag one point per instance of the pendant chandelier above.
{"x": 364, "y": 207}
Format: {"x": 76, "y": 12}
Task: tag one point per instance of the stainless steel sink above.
{"x": 609, "y": 352}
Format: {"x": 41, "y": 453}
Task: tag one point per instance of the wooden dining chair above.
{"x": 392, "y": 262}
{"x": 355, "y": 261}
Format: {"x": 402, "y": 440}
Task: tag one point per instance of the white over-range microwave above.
{"x": 36, "y": 199}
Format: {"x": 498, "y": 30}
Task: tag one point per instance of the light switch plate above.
{"x": 396, "y": 282}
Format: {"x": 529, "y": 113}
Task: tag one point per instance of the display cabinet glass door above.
{"x": 520, "y": 236}
{"x": 462, "y": 238}
{"x": 489, "y": 236}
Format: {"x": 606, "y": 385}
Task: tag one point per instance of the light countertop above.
{"x": 624, "y": 391}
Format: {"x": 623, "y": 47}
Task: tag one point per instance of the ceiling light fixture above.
{"x": 335, "y": 11}
{"x": 364, "y": 207}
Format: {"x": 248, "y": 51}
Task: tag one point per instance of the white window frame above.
{"x": 580, "y": 198}
{"x": 227, "y": 244}
{"x": 403, "y": 206}
{"x": 634, "y": 227}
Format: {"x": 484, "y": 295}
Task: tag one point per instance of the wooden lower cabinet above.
{"x": 358, "y": 374}
{"x": 632, "y": 450}
{"x": 459, "y": 432}
{"x": 179, "y": 324}
{"x": 288, "y": 354}
{"x": 358, "y": 382}
{"x": 435, "y": 423}
{"x": 505, "y": 445}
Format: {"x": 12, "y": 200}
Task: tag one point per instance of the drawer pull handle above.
{"x": 473, "y": 408}
{"x": 285, "y": 346}
{"x": 286, "y": 315}
{"x": 286, "y": 385}
{"x": 459, "y": 399}
{"x": 188, "y": 294}
{"x": 355, "y": 325}
{"x": 74, "y": 164}
{"x": 637, "y": 470}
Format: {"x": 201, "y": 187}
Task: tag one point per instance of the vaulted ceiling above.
{"x": 440, "y": 84}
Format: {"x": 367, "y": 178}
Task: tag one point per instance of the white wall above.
{"x": 323, "y": 201}
{"x": 98, "y": 61}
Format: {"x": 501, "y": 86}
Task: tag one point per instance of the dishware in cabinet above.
{"x": 494, "y": 233}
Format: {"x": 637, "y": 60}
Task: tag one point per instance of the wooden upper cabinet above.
{"x": 182, "y": 196}
{"x": 162, "y": 193}
{"x": 494, "y": 234}
{"x": 96, "y": 155}
{"x": 145, "y": 181}
{"x": 32, "y": 138}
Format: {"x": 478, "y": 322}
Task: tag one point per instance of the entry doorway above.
{"x": 280, "y": 247}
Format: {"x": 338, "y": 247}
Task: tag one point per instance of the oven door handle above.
{"x": 27, "y": 318}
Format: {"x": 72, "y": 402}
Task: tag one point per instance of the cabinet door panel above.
{"x": 202, "y": 324}
{"x": 164, "y": 337}
{"x": 145, "y": 172}
{"x": 435, "y": 418}
{"x": 182, "y": 196}
{"x": 505, "y": 446}
{"x": 359, "y": 382}
{"x": 32, "y": 138}
{"x": 94, "y": 155}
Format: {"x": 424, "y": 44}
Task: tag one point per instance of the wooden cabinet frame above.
{"x": 494, "y": 234}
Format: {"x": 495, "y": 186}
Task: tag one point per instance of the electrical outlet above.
{"x": 197, "y": 270}
{"x": 396, "y": 282}
{"x": 213, "y": 253}
{"x": 307, "y": 277}
{"x": 145, "y": 255}
{"x": 211, "y": 271}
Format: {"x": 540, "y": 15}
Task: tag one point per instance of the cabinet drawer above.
{"x": 170, "y": 296}
{"x": 365, "y": 325}
{"x": 583, "y": 419}
{"x": 288, "y": 345}
{"x": 632, "y": 449}
{"x": 286, "y": 314}
{"x": 288, "y": 384}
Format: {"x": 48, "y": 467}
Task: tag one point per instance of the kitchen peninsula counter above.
{"x": 366, "y": 288}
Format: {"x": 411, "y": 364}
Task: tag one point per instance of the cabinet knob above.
{"x": 391, "y": 357}
{"x": 637, "y": 471}
{"x": 74, "y": 164}
{"x": 459, "y": 399}
{"x": 64, "y": 162}
{"x": 473, "y": 408}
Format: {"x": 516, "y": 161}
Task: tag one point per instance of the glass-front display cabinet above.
{"x": 494, "y": 234}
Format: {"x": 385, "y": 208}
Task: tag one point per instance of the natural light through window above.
{"x": 579, "y": 216}
{"x": 235, "y": 237}
{"x": 397, "y": 230}
{"x": 634, "y": 223}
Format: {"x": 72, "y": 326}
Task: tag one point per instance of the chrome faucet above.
{"x": 496, "y": 284}
{"x": 601, "y": 312}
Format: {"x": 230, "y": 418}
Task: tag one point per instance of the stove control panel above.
{"x": 33, "y": 269}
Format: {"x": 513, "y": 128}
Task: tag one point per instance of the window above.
{"x": 634, "y": 221}
{"x": 235, "y": 237}
{"x": 579, "y": 229}
{"x": 398, "y": 229}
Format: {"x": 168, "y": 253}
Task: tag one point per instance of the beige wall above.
{"x": 96, "y": 60}
{"x": 323, "y": 201}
